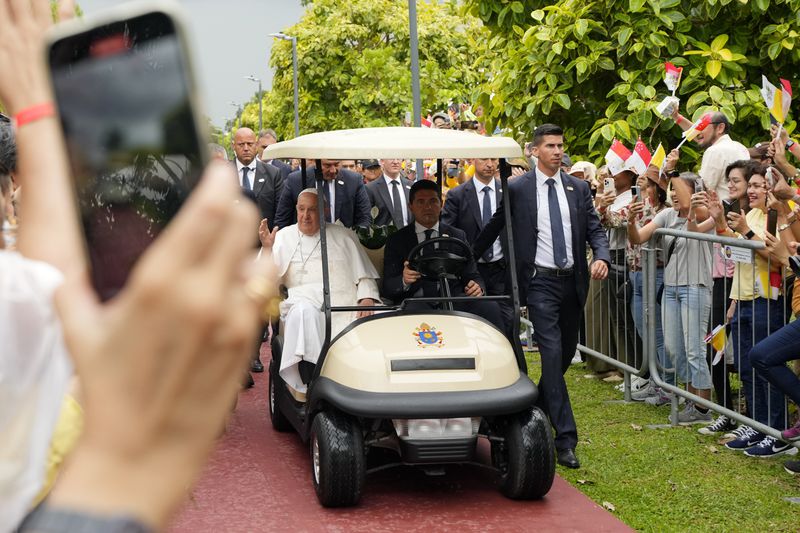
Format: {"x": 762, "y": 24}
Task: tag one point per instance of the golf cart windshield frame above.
{"x": 414, "y": 143}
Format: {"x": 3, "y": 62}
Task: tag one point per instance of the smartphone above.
{"x": 636, "y": 193}
{"x": 770, "y": 177}
{"x": 731, "y": 206}
{"x": 698, "y": 186}
{"x": 608, "y": 186}
{"x": 128, "y": 106}
{"x": 772, "y": 222}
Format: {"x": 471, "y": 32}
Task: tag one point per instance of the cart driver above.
{"x": 296, "y": 251}
{"x": 401, "y": 282}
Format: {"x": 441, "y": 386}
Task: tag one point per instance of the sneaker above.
{"x": 691, "y": 415}
{"x": 737, "y": 433}
{"x": 747, "y": 437}
{"x": 659, "y": 398}
{"x": 770, "y": 447}
{"x": 792, "y": 467}
{"x": 642, "y": 394}
{"x": 637, "y": 384}
{"x": 722, "y": 423}
{"x": 792, "y": 434}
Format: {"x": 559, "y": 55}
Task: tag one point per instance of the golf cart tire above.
{"x": 276, "y": 416}
{"x": 338, "y": 473}
{"x": 529, "y": 455}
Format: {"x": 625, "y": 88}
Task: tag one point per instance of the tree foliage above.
{"x": 354, "y": 64}
{"x": 596, "y": 67}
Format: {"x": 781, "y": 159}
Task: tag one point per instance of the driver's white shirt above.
{"x": 420, "y": 229}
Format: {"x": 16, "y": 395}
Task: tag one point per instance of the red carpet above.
{"x": 260, "y": 480}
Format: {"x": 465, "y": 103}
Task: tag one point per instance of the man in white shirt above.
{"x": 297, "y": 253}
{"x": 389, "y": 193}
{"x": 720, "y": 151}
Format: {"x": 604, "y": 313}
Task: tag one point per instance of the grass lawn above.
{"x": 670, "y": 479}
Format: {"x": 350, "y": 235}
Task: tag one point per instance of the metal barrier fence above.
{"x": 763, "y": 307}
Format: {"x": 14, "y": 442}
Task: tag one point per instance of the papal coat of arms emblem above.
{"x": 426, "y": 336}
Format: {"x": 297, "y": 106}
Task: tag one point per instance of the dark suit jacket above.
{"x": 586, "y": 228}
{"x": 284, "y": 168}
{"x": 463, "y": 211}
{"x": 381, "y": 197}
{"x": 352, "y": 202}
{"x": 399, "y": 244}
{"x": 267, "y": 187}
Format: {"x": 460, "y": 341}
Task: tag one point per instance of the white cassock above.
{"x": 299, "y": 261}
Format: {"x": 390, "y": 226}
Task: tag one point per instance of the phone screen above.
{"x": 122, "y": 91}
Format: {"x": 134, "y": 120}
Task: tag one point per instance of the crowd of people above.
{"x": 115, "y": 372}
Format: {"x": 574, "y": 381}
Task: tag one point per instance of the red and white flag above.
{"x": 426, "y": 122}
{"x": 616, "y": 157}
{"x": 640, "y": 159}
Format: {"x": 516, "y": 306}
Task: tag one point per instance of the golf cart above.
{"x": 426, "y": 385}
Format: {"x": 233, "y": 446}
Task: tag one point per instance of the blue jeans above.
{"x": 637, "y": 310}
{"x": 750, "y": 325}
{"x": 685, "y": 310}
{"x": 769, "y": 357}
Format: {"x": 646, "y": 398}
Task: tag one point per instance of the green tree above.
{"x": 354, "y": 65}
{"x": 596, "y": 67}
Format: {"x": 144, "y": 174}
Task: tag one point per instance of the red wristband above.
{"x": 34, "y": 113}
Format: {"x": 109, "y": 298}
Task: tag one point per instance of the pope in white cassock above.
{"x": 296, "y": 252}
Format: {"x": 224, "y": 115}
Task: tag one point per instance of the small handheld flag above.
{"x": 778, "y": 100}
{"x": 616, "y": 157}
{"x": 659, "y": 158}
{"x": 640, "y": 158}
{"x": 672, "y": 76}
{"x": 701, "y": 124}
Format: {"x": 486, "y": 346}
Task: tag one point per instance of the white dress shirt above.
{"x": 400, "y": 185}
{"x": 716, "y": 159}
{"x": 497, "y": 249}
{"x": 332, "y": 199}
{"x": 544, "y": 248}
{"x": 251, "y": 175}
{"x": 420, "y": 229}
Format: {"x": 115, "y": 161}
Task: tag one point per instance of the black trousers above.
{"x": 555, "y": 311}
{"x": 494, "y": 277}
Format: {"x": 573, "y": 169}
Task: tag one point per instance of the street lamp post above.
{"x": 238, "y": 114}
{"x": 414, "y": 49}
{"x": 285, "y": 37}
{"x": 260, "y": 98}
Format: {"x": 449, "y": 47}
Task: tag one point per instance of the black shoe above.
{"x": 256, "y": 365}
{"x": 248, "y": 382}
{"x": 567, "y": 458}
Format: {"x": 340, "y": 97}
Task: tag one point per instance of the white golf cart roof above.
{"x": 395, "y": 143}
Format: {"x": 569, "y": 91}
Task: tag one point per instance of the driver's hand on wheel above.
{"x": 410, "y": 276}
{"x": 473, "y": 289}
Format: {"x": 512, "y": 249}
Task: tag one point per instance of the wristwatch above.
{"x": 783, "y": 227}
{"x": 673, "y": 173}
{"x": 789, "y": 144}
{"x": 750, "y": 234}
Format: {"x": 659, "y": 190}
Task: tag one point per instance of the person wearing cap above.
{"x": 584, "y": 170}
{"x": 441, "y": 121}
{"x": 389, "y": 193}
{"x": 566, "y": 163}
{"x": 371, "y": 170}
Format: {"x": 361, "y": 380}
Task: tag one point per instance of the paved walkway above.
{"x": 260, "y": 480}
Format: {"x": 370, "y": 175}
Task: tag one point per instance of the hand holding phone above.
{"x": 126, "y": 98}
{"x": 772, "y": 222}
{"x": 636, "y": 193}
{"x": 608, "y": 186}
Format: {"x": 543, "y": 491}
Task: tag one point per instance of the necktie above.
{"x": 428, "y": 234}
{"x": 397, "y": 205}
{"x": 428, "y": 288}
{"x": 557, "y": 228}
{"x": 245, "y": 179}
{"x": 486, "y": 215}
{"x": 328, "y": 201}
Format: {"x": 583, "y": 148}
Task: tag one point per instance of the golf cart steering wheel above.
{"x": 439, "y": 263}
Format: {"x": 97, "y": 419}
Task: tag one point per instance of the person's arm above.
{"x": 49, "y": 230}
{"x": 362, "y": 206}
{"x": 192, "y": 301}
{"x": 393, "y": 266}
{"x": 451, "y": 208}
{"x": 596, "y": 237}
{"x": 286, "y": 206}
{"x": 490, "y": 231}
{"x": 682, "y": 122}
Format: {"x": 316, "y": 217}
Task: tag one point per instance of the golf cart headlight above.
{"x": 436, "y": 428}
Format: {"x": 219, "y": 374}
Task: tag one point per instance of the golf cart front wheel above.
{"x": 526, "y": 457}
{"x": 337, "y": 459}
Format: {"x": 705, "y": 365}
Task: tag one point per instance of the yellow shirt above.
{"x": 743, "y": 283}
{"x": 65, "y": 436}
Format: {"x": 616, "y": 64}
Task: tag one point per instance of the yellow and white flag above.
{"x": 778, "y": 99}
